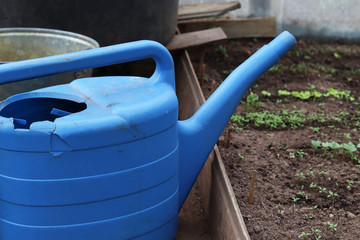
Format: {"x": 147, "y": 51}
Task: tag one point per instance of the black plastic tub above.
{"x": 107, "y": 21}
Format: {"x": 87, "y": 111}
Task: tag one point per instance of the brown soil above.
{"x": 283, "y": 197}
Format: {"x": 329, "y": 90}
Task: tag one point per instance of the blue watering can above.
{"x": 105, "y": 157}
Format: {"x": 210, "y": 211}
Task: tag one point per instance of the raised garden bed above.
{"x": 300, "y": 133}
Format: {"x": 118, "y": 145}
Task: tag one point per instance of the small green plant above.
{"x": 332, "y": 226}
{"x": 265, "y": 93}
{"x": 315, "y": 144}
{"x": 313, "y": 208}
{"x": 284, "y": 93}
{"x": 227, "y": 72}
{"x": 332, "y": 195}
{"x": 322, "y": 190}
{"x": 299, "y": 68}
{"x": 295, "y": 199}
{"x": 291, "y": 155}
{"x": 313, "y": 185}
{"x": 347, "y": 136}
{"x": 222, "y": 50}
{"x": 323, "y": 173}
{"x": 310, "y": 172}
{"x": 315, "y": 129}
{"x": 301, "y": 175}
{"x": 337, "y": 56}
{"x": 300, "y": 153}
{"x": 251, "y": 100}
{"x": 304, "y": 235}
{"x": 350, "y": 183}
{"x": 301, "y": 193}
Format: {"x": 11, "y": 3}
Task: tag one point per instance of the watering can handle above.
{"x": 126, "y": 52}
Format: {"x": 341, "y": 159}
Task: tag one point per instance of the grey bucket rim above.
{"x": 52, "y": 32}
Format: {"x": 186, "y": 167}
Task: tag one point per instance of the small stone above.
{"x": 331, "y": 216}
{"x": 257, "y": 229}
{"x": 350, "y": 215}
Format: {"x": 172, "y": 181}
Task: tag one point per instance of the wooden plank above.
{"x": 228, "y": 212}
{"x": 234, "y": 28}
{"x": 215, "y": 191}
{"x": 197, "y": 38}
{"x": 215, "y": 9}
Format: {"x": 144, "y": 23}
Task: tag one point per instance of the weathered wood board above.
{"x": 197, "y": 38}
{"x": 234, "y": 28}
{"x": 214, "y": 9}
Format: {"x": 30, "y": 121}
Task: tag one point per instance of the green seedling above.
{"x": 300, "y": 153}
{"x": 284, "y": 93}
{"x": 315, "y": 144}
{"x": 291, "y": 155}
{"x": 332, "y": 195}
{"x": 299, "y": 68}
{"x": 313, "y": 185}
{"x": 313, "y": 208}
{"x": 303, "y": 95}
{"x": 323, "y": 173}
{"x": 239, "y": 119}
{"x": 222, "y": 50}
{"x": 310, "y": 172}
{"x": 251, "y": 99}
{"x": 227, "y": 72}
{"x": 259, "y": 104}
{"x": 265, "y": 93}
{"x": 337, "y": 56}
{"x": 350, "y": 183}
{"x": 322, "y": 190}
{"x": 347, "y": 136}
{"x": 332, "y": 226}
{"x": 304, "y": 235}
{"x": 316, "y": 230}
{"x": 295, "y": 199}
{"x": 301, "y": 175}
{"x": 315, "y": 129}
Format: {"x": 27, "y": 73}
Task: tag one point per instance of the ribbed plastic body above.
{"x": 96, "y": 159}
{"x": 90, "y": 175}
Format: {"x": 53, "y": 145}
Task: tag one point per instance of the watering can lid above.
{"x": 119, "y": 110}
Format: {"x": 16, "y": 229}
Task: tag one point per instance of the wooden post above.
{"x": 202, "y": 74}
{"x": 288, "y": 236}
{"x": 213, "y": 86}
{"x": 228, "y": 138}
{"x": 252, "y": 185}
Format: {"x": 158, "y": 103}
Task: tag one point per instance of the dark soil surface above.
{"x": 304, "y": 189}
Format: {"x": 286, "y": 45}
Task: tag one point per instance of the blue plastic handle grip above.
{"x": 126, "y": 52}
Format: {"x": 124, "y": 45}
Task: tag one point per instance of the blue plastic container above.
{"x": 106, "y": 158}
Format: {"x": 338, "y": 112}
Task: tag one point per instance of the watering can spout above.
{"x": 198, "y": 134}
